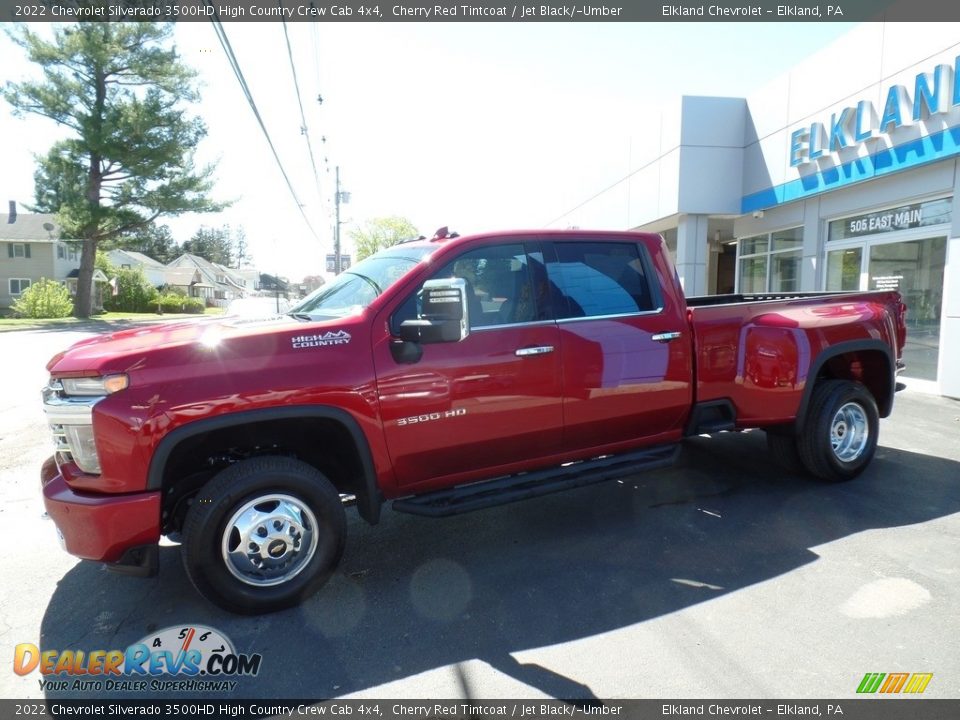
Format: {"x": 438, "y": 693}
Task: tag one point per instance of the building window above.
{"x": 770, "y": 262}
{"x": 18, "y": 250}
{"x": 65, "y": 252}
{"x": 18, "y": 285}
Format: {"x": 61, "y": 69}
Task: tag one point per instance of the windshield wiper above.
{"x": 373, "y": 284}
{"x": 301, "y": 316}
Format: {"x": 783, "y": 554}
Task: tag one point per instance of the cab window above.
{"x": 500, "y": 287}
{"x": 598, "y": 278}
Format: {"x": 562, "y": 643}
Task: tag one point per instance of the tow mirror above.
{"x": 444, "y": 314}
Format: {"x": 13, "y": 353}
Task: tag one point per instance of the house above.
{"x": 153, "y": 270}
{"x": 251, "y": 277}
{"x": 186, "y": 280}
{"x": 218, "y": 284}
{"x": 192, "y": 275}
{"x": 31, "y": 249}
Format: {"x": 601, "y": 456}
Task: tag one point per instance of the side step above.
{"x": 512, "y": 488}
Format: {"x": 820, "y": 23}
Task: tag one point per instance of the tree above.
{"x": 134, "y": 292}
{"x": 241, "y": 249}
{"x": 154, "y": 241}
{"x": 218, "y": 245}
{"x": 103, "y": 264}
{"x": 129, "y": 160}
{"x": 312, "y": 282}
{"x": 381, "y": 233}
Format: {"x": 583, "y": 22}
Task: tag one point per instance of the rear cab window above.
{"x": 601, "y": 279}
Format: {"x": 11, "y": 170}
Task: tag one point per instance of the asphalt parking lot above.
{"x": 720, "y": 578}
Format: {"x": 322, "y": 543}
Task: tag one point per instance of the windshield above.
{"x": 354, "y": 289}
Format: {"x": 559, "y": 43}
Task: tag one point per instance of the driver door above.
{"x": 488, "y": 403}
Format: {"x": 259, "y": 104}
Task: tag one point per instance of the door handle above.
{"x": 665, "y": 337}
{"x": 540, "y": 350}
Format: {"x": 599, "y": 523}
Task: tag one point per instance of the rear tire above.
{"x": 263, "y": 535}
{"x": 782, "y": 444}
{"x": 839, "y": 436}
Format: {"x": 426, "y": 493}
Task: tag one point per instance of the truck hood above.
{"x": 108, "y": 353}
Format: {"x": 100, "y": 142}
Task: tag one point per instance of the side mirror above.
{"x": 444, "y": 314}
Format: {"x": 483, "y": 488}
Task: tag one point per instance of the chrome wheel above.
{"x": 849, "y": 432}
{"x": 269, "y": 540}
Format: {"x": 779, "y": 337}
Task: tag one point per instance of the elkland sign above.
{"x": 934, "y": 94}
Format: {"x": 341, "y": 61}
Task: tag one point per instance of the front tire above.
{"x": 839, "y": 437}
{"x": 263, "y": 535}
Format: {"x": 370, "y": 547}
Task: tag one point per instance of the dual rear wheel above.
{"x": 839, "y": 436}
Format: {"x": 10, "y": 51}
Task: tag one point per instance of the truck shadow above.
{"x": 414, "y": 594}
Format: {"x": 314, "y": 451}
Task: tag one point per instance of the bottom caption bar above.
{"x": 857, "y": 709}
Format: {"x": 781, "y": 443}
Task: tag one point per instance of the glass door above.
{"x": 912, "y": 267}
{"x": 844, "y": 269}
{"x": 915, "y": 268}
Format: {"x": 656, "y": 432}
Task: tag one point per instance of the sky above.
{"x": 475, "y": 126}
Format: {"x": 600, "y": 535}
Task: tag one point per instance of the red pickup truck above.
{"x": 445, "y": 375}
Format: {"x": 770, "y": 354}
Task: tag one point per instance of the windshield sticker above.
{"x": 340, "y": 337}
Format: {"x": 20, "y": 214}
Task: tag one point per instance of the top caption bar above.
{"x": 390, "y": 11}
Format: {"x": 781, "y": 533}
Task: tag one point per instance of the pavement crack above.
{"x": 133, "y": 608}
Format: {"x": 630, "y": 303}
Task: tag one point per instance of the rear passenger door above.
{"x": 625, "y": 359}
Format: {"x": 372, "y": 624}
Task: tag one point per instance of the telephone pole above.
{"x": 336, "y": 232}
{"x": 341, "y": 196}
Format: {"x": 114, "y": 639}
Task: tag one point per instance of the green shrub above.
{"x": 175, "y": 303}
{"x": 194, "y": 305}
{"x": 134, "y": 293}
{"x": 170, "y": 303}
{"x": 44, "y": 299}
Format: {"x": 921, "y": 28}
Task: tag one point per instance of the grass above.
{"x": 104, "y": 320}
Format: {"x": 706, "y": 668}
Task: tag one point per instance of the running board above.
{"x": 503, "y": 490}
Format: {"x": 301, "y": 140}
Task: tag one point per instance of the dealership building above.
{"x": 842, "y": 174}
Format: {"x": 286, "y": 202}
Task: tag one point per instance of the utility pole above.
{"x": 341, "y": 196}
{"x": 336, "y": 232}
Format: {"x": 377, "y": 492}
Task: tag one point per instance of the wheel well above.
{"x": 321, "y": 442}
{"x": 869, "y": 367}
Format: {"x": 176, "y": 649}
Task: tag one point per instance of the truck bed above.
{"x": 756, "y": 352}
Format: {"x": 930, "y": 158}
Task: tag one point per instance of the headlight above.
{"x": 105, "y": 385}
{"x": 82, "y": 447}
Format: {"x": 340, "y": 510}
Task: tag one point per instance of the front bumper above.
{"x": 100, "y": 527}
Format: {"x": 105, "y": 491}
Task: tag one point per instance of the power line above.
{"x": 315, "y": 42}
{"x": 303, "y": 119}
{"x": 601, "y": 192}
{"x": 235, "y": 66}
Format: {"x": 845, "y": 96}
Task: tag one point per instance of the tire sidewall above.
{"x": 849, "y": 393}
{"x": 216, "y": 504}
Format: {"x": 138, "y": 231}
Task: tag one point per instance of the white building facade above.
{"x": 842, "y": 174}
